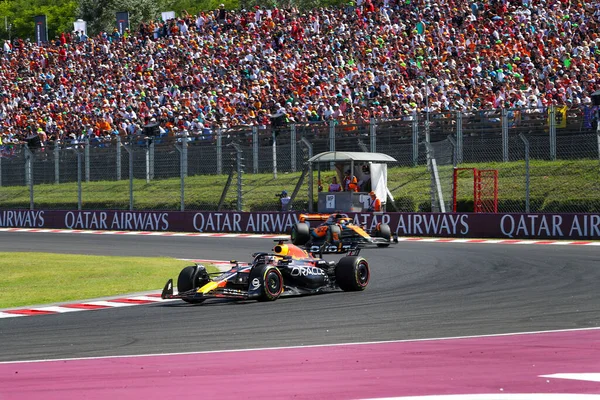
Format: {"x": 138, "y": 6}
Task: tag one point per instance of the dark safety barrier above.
{"x": 463, "y": 225}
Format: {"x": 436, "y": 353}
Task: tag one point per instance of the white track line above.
{"x": 56, "y": 309}
{"x": 149, "y": 298}
{"x": 107, "y": 303}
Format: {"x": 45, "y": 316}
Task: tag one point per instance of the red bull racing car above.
{"x": 337, "y": 233}
{"x": 287, "y": 270}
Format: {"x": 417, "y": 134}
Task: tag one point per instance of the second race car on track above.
{"x": 287, "y": 270}
{"x": 337, "y": 233}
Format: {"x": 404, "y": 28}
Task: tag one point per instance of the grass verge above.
{"x": 555, "y": 186}
{"x": 42, "y": 278}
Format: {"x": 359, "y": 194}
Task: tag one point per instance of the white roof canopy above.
{"x": 348, "y": 156}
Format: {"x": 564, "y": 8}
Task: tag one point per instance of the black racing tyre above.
{"x": 352, "y": 274}
{"x": 384, "y": 231}
{"x": 333, "y": 231}
{"x": 272, "y": 284}
{"x": 189, "y": 278}
{"x": 300, "y": 233}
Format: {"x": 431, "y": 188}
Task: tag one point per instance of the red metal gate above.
{"x": 485, "y": 189}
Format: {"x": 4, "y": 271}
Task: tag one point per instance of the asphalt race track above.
{"x": 417, "y": 290}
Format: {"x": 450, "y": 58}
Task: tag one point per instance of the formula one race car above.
{"x": 337, "y": 233}
{"x": 287, "y": 270}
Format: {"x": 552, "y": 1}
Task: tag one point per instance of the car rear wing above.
{"x": 313, "y": 217}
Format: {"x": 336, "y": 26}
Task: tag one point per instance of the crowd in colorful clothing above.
{"x": 369, "y": 59}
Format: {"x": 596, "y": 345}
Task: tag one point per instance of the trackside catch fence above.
{"x": 543, "y": 163}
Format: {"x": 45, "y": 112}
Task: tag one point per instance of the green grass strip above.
{"x": 556, "y": 186}
{"x": 42, "y": 278}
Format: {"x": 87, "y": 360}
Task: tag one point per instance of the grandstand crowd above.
{"x": 368, "y": 59}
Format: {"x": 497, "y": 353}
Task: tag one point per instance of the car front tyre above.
{"x": 300, "y": 234}
{"x": 272, "y": 284}
{"x": 188, "y": 279}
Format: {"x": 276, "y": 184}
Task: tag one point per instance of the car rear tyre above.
{"x": 272, "y": 284}
{"x": 333, "y": 232}
{"x": 384, "y": 231}
{"x": 352, "y": 274}
{"x": 300, "y": 234}
{"x": 190, "y": 278}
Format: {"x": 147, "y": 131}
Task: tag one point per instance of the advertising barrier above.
{"x": 461, "y": 225}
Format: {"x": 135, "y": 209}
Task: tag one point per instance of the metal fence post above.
{"x": 274, "y": 137}
{"x": 27, "y": 164}
{"x": 240, "y": 171}
{"x": 184, "y": 154}
{"x": 427, "y": 126}
{"x": 373, "y": 135}
{"x": 255, "y": 149}
{"x": 310, "y": 174}
{"x": 332, "y": 135}
{"x": 57, "y": 162}
{"x": 131, "y": 178}
{"x": 129, "y": 149}
{"x": 29, "y": 174}
{"x": 78, "y": 152}
{"x": 459, "y": 138}
{"x": 151, "y": 153}
{"x": 293, "y": 146}
{"x": 219, "y": 152}
{"x": 415, "y": 138}
{"x": 527, "y": 176}
{"x": 597, "y": 133}
{"x": 450, "y": 205}
{"x": 119, "y": 144}
{"x": 87, "y": 159}
{"x": 182, "y": 149}
{"x": 504, "y": 135}
{"x": 149, "y": 147}
{"x": 553, "y": 133}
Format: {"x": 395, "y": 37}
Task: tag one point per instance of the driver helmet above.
{"x": 270, "y": 260}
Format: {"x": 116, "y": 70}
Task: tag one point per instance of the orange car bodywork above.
{"x": 343, "y": 223}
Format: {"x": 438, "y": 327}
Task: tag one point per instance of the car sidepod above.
{"x": 305, "y": 277}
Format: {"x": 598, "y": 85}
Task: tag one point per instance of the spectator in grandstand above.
{"x": 383, "y": 59}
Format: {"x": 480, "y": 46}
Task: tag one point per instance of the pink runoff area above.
{"x": 498, "y": 364}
